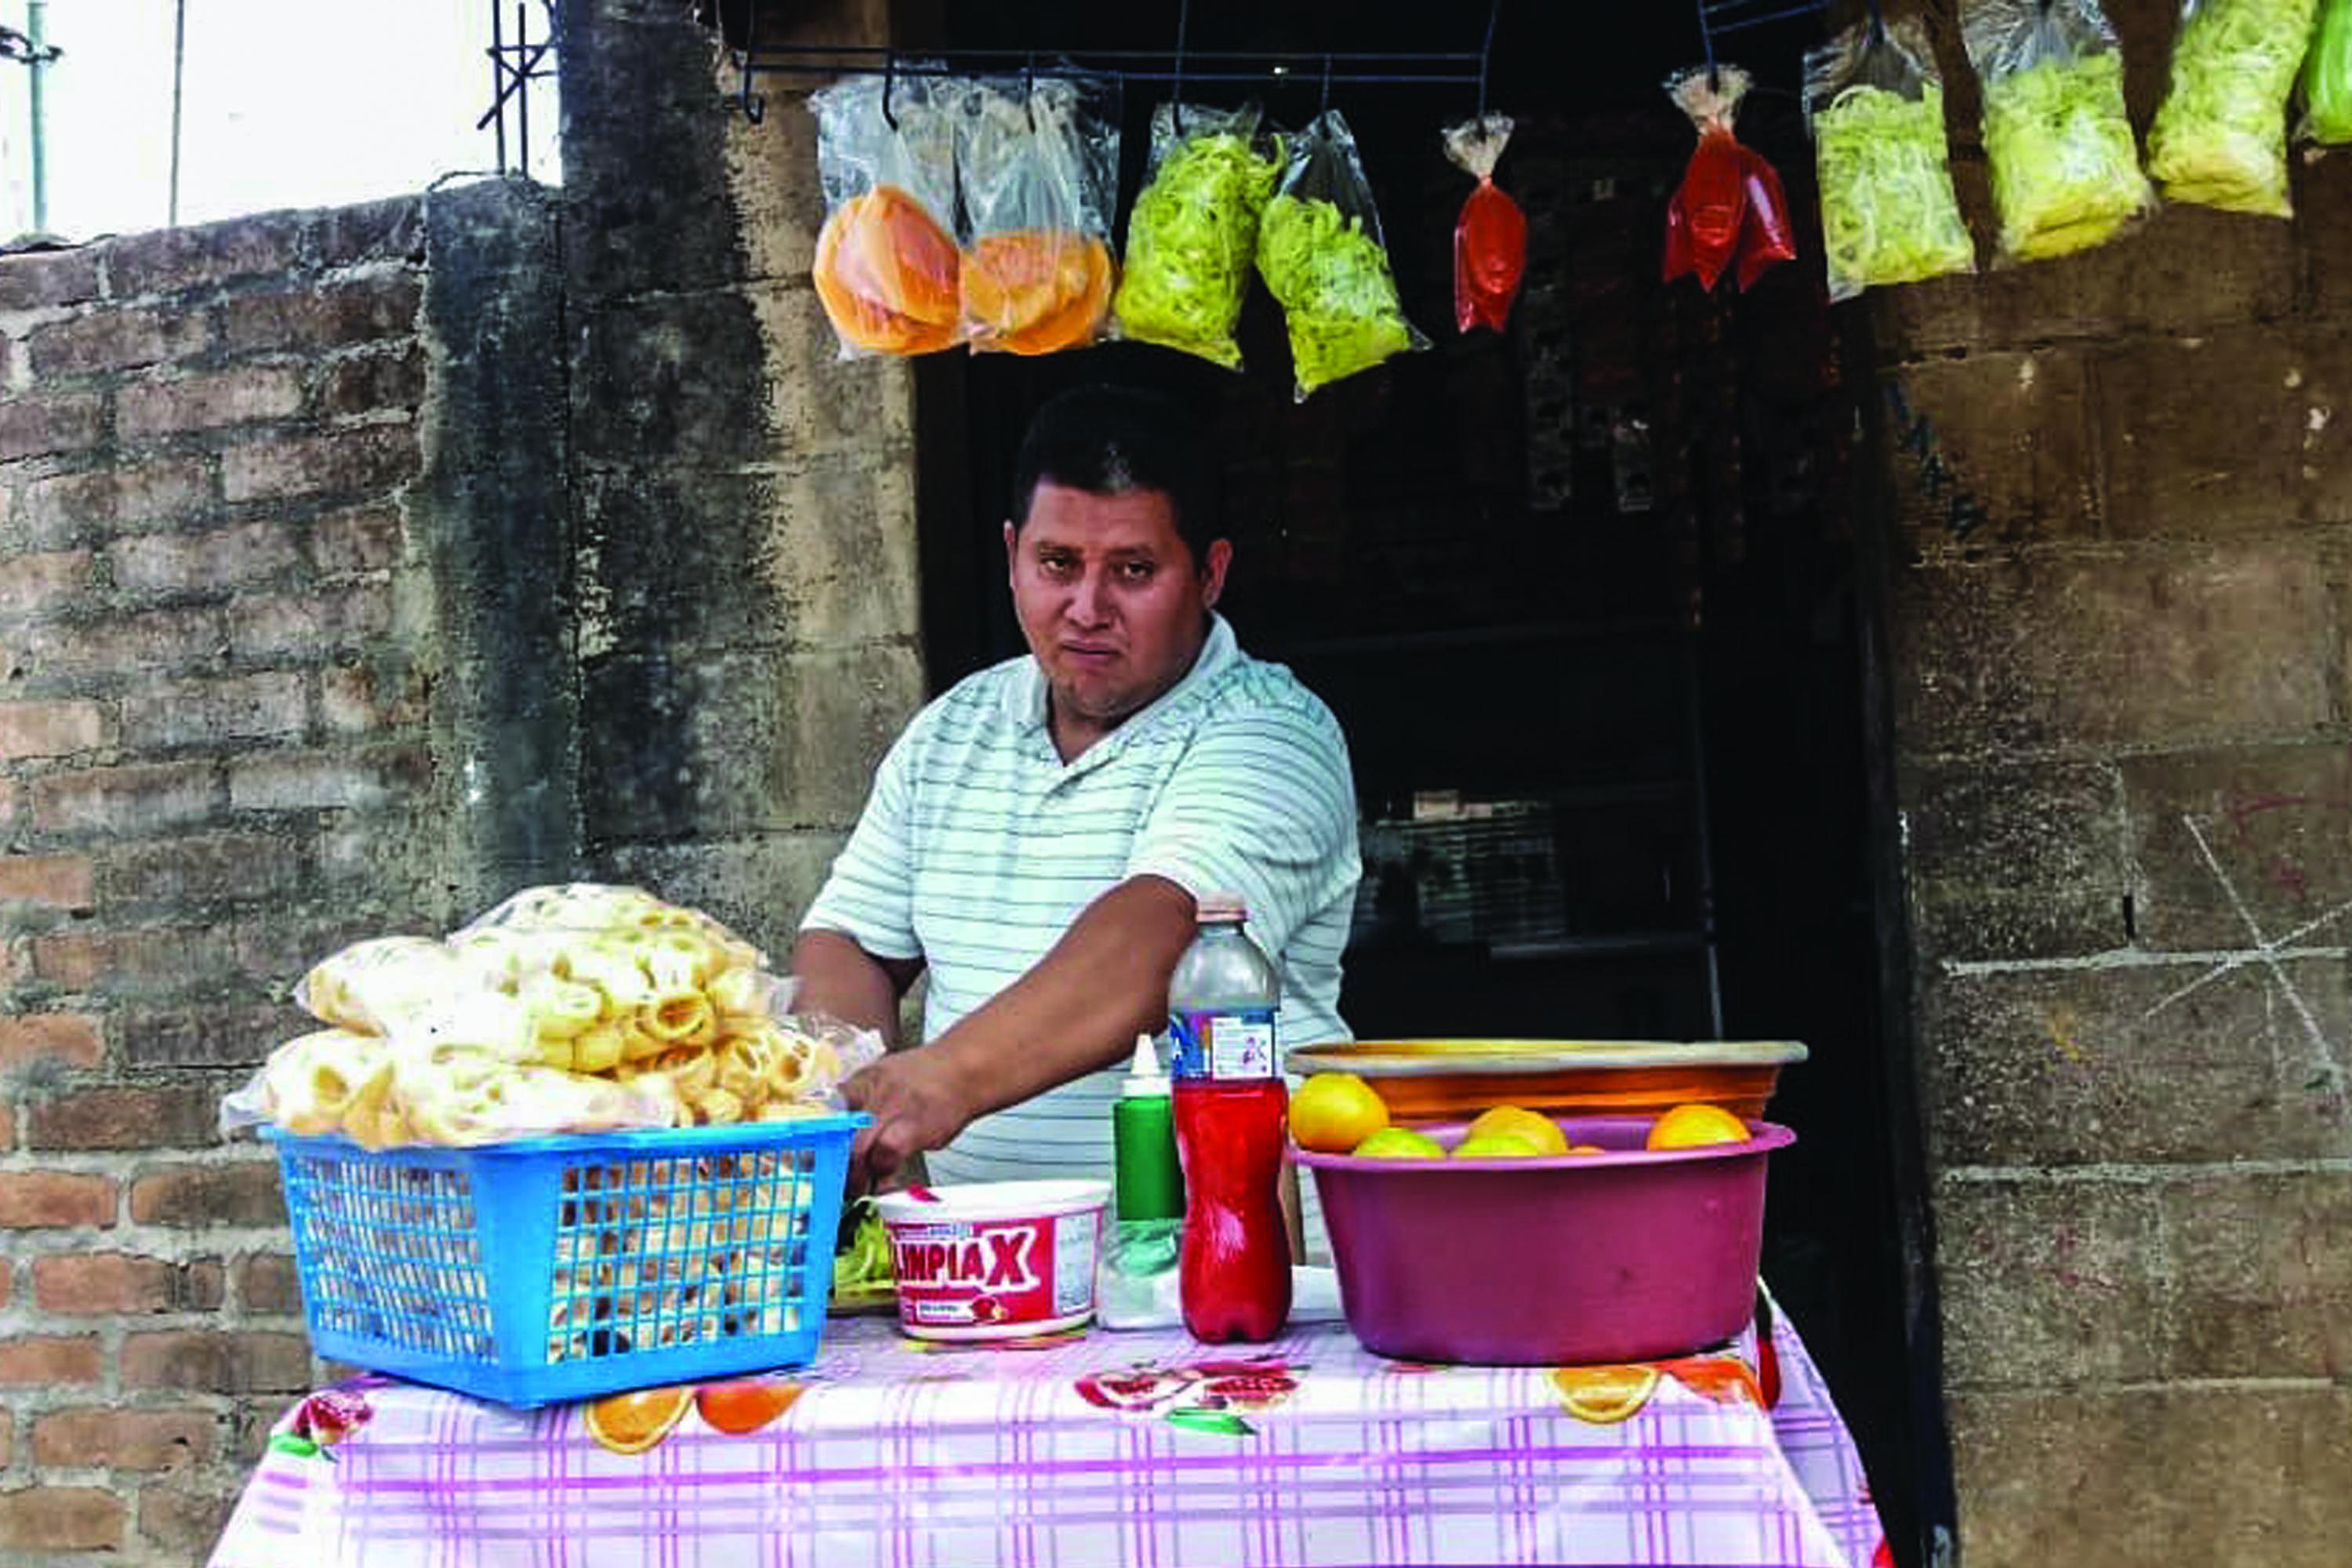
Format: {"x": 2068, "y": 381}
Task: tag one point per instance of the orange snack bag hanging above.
{"x": 1039, "y": 166}
{"x": 887, "y": 270}
{"x": 1490, "y": 238}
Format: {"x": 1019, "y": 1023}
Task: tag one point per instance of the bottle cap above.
{"x": 1221, "y": 907}
{"x": 1144, "y": 1079}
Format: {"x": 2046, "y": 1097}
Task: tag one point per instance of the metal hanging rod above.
{"x": 514, "y": 66}
{"x": 1179, "y": 66}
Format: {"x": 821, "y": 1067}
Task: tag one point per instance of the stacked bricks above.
{"x": 2121, "y": 522}
{"x": 212, "y": 757}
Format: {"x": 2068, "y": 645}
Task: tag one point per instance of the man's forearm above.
{"x": 1084, "y": 1003}
{"x": 840, "y": 980}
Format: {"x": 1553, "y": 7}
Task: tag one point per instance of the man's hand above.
{"x": 919, "y": 1103}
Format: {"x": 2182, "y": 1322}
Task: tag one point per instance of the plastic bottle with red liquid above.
{"x": 1233, "y": 1274}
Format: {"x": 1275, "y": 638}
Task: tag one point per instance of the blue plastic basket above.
{"x": 568, "y": 1268}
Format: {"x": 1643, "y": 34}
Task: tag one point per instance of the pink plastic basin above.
{"x": 1622, "y": 1256}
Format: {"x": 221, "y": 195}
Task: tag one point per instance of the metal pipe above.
{"x": 35, "y": 12}
{"x": 179, "y": 75}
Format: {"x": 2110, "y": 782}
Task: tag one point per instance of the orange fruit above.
{"x": 634, "y": 1422}
{"x": 1335, "y": 1111}
{"x": 744, "y": 1405}
{"x": 1496, "y": 1146}
{"x": 1721, "y": 1378}
{"x": 1541, "y": 1131}
{"x": 1398, "y": 1143}
{"x": 1696, "y": 1126}
{"x": 1605, "y": 1396}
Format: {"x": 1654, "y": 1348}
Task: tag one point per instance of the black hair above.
{"x": 1113, "y": 440}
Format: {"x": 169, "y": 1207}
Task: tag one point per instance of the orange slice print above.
{"x": 745, "y": 1406}
{"x": 632, "y": 1422}
{"x": 1605, "y": 1396}
{"x": 1724, "y": 1379}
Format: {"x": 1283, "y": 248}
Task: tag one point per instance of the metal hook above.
{"x": 1176, "y": 73}
{"x": 1029, "y": 92}
{"x": 1487, "y": 53}
{"x": 755, "y": 105}
{"x": 889, "y": 76}
{"x": 1877, "y": 22}
{"x": 1326, "y": 106}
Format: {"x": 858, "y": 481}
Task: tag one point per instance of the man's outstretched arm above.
{"x": 1078, "y": 1009}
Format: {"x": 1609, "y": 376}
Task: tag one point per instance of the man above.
{"x": 1038, "y": 838}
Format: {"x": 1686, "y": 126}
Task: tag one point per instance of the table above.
{"x": 1143, "y": 1450}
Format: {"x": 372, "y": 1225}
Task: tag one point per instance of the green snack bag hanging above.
{"x": 2220, "y": 138}
{"x": 1193, "y": 233}
{"x": 1876, "y": 108}
{"x": 1320, "y": 252}
{"x": 2065, "y": 168}
{"x": 2327, "y": 78}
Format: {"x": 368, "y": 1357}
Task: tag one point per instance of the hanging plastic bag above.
{"x": 1766, "y": 236}
{"x": 2327, "y": 78}
{"x": 1039, "y": 167}
{"x": 2065, "y": 169}
{"x": 1876, "y": 109}
{"x": 1708, "y": 221}
{"x": 1193, "y": 234}
{"x": 887, "y": 266}
{"x": 1490, "y": 237}
{"x": 1320, "y": 251}
{"x": 2220, "y": 136}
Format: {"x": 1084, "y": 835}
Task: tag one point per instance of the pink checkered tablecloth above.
{"x": 1107, "y": 1451}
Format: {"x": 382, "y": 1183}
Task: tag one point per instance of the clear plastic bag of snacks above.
{"x": 1876, "y": 108}
{"x": 1039, "y": 162}
{"x": 887, "y": 270}
{"x": 1192, "y": 237}
{"x": 1320, "y": 252}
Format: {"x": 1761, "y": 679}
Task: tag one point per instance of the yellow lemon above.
{"x": 1496, "y": 1146}
{"x": 1694, "y": 1126}
{"x": 1540, "y": 1130}
{"x": 1334, "y": 1111}
{"x": 1398, "y": 1143}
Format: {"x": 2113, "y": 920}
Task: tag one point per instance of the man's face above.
{"x": 1113, "y": 604}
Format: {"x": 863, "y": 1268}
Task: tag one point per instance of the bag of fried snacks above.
{"x": 1319, "y": 249}
{"x": 2057, "y": 137}
{"x": 2220, "y": 137}
{"x": 1192, "y": 237}
{"x": 1889, "y": 214}
{"x": 572, "y": 1008}
{"x": 886, "y": 264}
{"x": 1039, "y": 167}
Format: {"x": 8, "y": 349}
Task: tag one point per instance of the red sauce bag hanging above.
{"x": 1704, "y": 217}
{"x": 1765, "y": 236}
{"x": 1490, "y": 238}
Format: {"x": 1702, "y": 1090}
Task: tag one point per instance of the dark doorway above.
{"x": 1585, "y": 597}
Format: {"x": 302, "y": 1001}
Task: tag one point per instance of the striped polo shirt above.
{"x": 980, "y": 846}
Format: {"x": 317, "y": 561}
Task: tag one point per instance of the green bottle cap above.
{"x": 1150, "y": 1183}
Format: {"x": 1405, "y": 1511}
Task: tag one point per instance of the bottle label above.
{"x": 1232, "y": 1043}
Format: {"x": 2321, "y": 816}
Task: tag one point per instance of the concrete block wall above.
{"x": 214, "y": 760}
{"x": 2121, "y": 491}
{"x": 744, "y": 500}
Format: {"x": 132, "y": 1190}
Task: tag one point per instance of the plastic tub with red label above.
{"x": 996, "y": 1260}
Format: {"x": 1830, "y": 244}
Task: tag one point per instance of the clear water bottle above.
{"x": 1230, "y": 1105}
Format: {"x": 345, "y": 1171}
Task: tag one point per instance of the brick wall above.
{"x": 2122, "y": 519}
{"x": 355, "y": 568}
{"x": 212, "y": 749}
